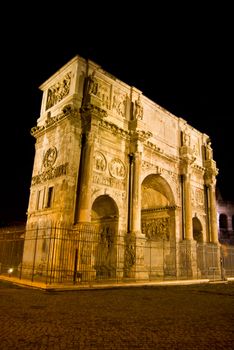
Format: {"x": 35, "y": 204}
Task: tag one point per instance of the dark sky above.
{"x": 181, "y": 58}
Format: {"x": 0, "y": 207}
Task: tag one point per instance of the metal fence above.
{"x": 85, "y": 255}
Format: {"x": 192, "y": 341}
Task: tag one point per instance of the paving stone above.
{"x": 157, "y": 317}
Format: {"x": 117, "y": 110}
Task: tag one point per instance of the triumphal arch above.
{"x": 113, "y": 165}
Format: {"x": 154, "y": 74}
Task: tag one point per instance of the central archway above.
{"x": 157, "y": 208}
{"x": 104, "y": 216}
{"x": 158, "y": 225}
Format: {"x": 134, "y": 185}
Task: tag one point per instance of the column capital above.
{"x": 185, "y": 168}
{"x": 187, "y": 159}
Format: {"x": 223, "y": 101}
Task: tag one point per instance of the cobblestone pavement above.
{"x": 160, "y": 317}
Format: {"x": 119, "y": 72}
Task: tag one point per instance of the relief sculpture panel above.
{"x": 58, "y": 91}
{"x": 119, "y": 103}
{"x": 156, "y": 229}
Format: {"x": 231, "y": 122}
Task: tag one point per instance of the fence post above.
{"x": 34, "y": 257}
{"x": 75, "y": 267}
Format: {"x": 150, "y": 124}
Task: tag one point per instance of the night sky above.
{"x": 181, "y": 60}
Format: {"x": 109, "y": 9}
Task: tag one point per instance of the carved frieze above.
{"x": 49, "y": 174}
{"x": 101, "y": 179}
{"x": 58, "y": 91}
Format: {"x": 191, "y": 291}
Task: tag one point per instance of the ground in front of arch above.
{"x": 196, "y": 316}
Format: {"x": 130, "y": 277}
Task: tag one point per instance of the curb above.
{"x": 62, "y": 288}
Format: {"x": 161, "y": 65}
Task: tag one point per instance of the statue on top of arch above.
{"x": 209, "y": 150}
{"x": 138, "y": 113}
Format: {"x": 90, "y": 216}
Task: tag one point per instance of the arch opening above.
{"x": 157, "y": 209}
{"x": 104, "y": 216}
{"x": 197, "y": 230}
{"x": 158, "y": 225}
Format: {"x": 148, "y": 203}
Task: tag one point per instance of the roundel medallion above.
{"x": 50, "y": 157}
{"x": 117, "y": 168}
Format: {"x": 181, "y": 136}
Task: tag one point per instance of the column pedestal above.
{"x": 187, "y": 260}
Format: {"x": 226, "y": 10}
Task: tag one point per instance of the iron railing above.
{"x": 84, "y": 255}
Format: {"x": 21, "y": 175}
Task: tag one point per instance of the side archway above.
{"x": 197, "y": 230}
{"x": 105, "y": 217}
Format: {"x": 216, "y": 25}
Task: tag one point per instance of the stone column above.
{"x": 213, "y": 214}
{"x": 140, "y": 272}
{"x": 187, "y": 258}
{"x": 135, "y": 240}
{"x": 188, "y": 224}
{"x": 91, "y": 116}
{"x": 210, "y": 181}
{"x": 136, "y": 194}
{"x": 86, "y": 179}
{"x": 187, "y": 159}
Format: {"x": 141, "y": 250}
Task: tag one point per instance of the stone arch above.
{"x": 104, "y": 206}
{"x": 159, "y": 184}
{"x": 197, "y": 230}
{"x": 105, "y": 216}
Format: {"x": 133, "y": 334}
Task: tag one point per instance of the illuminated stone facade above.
{"x": 107, "y": 155}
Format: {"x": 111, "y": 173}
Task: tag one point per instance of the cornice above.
{"x": 114, "y": 129}
{"x": 160, "y": 152}
{"x": 171, "y": 207}
{"x": 68, "y": 112}
{"x": 93, "y": 110}
{"x": 198, "y": 168}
